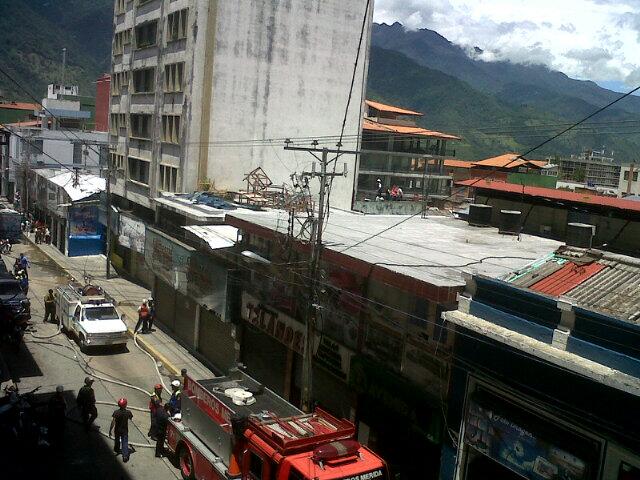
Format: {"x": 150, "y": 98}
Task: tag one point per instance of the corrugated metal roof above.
{"x": 601, "y": 281}
{"x": 19, "y": 106}
{"x": 567, "y": 278}
{"x": 552, "y": 194}
{"x": 216, "y": 236}
{"x": 614, "y": 290}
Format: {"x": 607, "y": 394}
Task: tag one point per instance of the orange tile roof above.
{"x": 391, "y": 109}
{"x": 372, "y": 126}
{"x": 452, "y": 162}
{"x": 508, "y": 160}
{"x": 19, "y": 106}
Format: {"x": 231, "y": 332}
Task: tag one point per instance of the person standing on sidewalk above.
{"x": 50, "y": 307}
{"x": 143, "y": 317}
{"x": 152, "y": 312}
{"x": 120, "y": 428}
{"x": 86, "y": 401}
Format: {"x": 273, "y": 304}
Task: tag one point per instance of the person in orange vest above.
{"x": 143, "y": 317}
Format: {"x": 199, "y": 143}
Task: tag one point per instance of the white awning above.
{"x": 216, "y": 236}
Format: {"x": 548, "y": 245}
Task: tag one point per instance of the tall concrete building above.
{"x": 191, "y": 78}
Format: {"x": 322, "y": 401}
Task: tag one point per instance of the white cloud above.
{"x": 588, "y": 39}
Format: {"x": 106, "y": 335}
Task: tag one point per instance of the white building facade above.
{"x": 192, "y": 78}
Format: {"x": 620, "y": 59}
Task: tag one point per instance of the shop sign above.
{"x": 332, "y": 356}
{"x": 421, "y": 366}
{"x": 167, "y": 258}
{"x": 519, "y": 449}
{"x": 132, "y": 234}
{"x": 283, "y": 328}
{"x": 83, "y": 220}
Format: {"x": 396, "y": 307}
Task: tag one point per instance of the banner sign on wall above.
{"x": 83, "y": 220}
{"x": 519, "y": 449}
{"x": 132, "y": 234}
{"x": 283, "y": 328}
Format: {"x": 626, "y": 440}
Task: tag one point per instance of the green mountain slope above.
{"x": 492, "y": 123}
{"x": 33, "y": 33}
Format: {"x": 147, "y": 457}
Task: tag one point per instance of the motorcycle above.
{"x": 19, "y": 419}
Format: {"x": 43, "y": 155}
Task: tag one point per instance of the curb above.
{"x": 151, "y": 350}
{"x": 159, "y": 357}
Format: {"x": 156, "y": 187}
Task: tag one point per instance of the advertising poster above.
{"x": 518, "y": 449}
{"x": 132, "y": 234}
{"x": 83, "y": 220}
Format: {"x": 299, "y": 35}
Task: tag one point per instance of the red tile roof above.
{"x": 553, "y": 194}
{"x": 19, "y": 106}
{"x": 567, "y": 278}
{"x": 372, "y": 126}
{"x": 391, "y": 109}
{"x": 452, "y": 162}
{"x": 508, "y": 160}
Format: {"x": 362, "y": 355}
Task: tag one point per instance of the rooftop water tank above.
{"x": 480, "y": 215}
{"x": 509, "y": 222}
{"x": 580, "y": 234}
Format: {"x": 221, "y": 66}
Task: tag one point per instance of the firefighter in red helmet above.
{"x": 120, "y": 428}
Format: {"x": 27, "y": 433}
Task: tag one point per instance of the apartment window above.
{"x": 146, "y": 34}
{"x": 635, "y": 176}
{"x": 144, "y": 80}
{"x": 117, "y": 161}
{"x": 33, "y": 147}
{"x": 140, "y": 125}
{"x": 119, "y": 82}
{"x": 120, "y": 39}
{"x": 173, "y": 77}
{"x": 171, "y": 128}
{"x": 120, "y": 6}
{"x": 168, "y": 180}
{"x": 177, "y": 25}
{"x": 117, "y": 122}
{"x": 139, "y": 170}
{"x": 77, "y": 153}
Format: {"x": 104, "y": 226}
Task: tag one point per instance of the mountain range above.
{"x": 494, "y": 106}
{"x": 33, "y": 34}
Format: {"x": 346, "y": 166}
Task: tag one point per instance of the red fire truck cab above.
{"x": 233, "y": 427}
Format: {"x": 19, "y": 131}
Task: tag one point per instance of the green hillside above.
{"x": 492, "y": 123}
{"x": 33, "y": 33}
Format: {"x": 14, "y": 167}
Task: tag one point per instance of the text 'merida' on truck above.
{"x": 233, "y": 427}
{"x": 90, "y": 314}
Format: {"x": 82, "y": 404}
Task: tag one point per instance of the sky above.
{"x": 595, "y": 40}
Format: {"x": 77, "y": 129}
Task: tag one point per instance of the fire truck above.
{"x": 233, "y": 427}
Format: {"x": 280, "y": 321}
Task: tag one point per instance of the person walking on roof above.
{"x": 50, "y": 307}
{"x": 120, "y": 428}
{"x": 86, "y": 402}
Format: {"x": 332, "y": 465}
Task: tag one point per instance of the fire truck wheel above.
{"x": 186, "y": 463}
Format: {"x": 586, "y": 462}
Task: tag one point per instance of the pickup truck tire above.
{"x": 185, "y": 463}
{"x": 83, "y": 344}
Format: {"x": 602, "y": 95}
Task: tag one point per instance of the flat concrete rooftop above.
{"x": 435, "y": 250}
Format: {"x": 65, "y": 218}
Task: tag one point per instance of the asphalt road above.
{"x": 50, "y": 362}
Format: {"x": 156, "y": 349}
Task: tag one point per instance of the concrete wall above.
{"x": 283, "y": 69}
{"x": 629, "y": 185}
{"x": 388, "y": 208}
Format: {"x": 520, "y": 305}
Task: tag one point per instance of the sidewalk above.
{"x": 129, "y": 296}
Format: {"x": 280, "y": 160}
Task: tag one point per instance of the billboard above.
{"x": 83, "y": 220}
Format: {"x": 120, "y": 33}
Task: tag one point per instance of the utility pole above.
{"x": 314, "y": 260}
{"x": 108, "y": 246}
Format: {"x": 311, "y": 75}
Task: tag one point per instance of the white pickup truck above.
{"x": 90, "y": 314}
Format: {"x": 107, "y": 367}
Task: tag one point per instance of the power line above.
{"x": 518, "y": 157}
